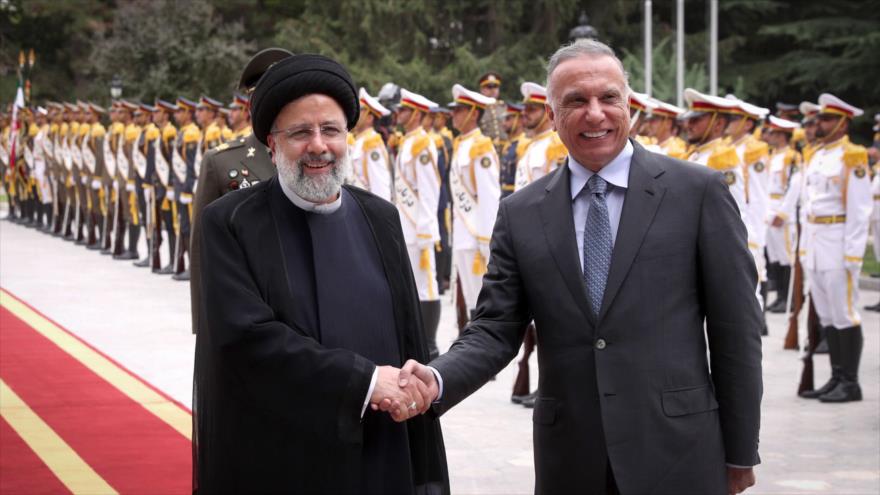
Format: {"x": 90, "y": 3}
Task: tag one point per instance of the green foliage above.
{"x": 663, "y": 77}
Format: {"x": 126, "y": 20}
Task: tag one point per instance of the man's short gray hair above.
{"x": 580, "y": 48}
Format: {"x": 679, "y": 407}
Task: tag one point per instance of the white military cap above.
{"x": 464, "y": 96}
{"x": 700, "y": 103}
{"x": 533, "y": 93}
{"x": 777, "y": 124}
{"x": 748, "y": 109}
{"x": 415, "y": 101}
{"x": 663, "y": 109}
{"x": 829, "y": 103}
{"x": 372, "y": 104}
{"x": 641, "y": 102}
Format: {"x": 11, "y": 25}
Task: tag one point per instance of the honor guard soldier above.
{"x": 663, "y": 127}
{"x": 74, "y": 230}
{"x": 784, "y": 191}
{"x": 417, "y": 196}
{"x": 93, "y": 160}
{"x": 545, "y": 152}
{"x": 28, "y": 182}
{"x": 443, "y": 142}
{"x": 371, "y": 168}
{"x": 640, "y": 105}
{"x": 163, "y": 178}
{"x": 239, "y": 118}
{"x": 753, "y": 154}
{"x": 836, "y": 209}
{"x": 186, "y": 149}
{"x": 109, "y": 179}
{"x": 212, "y": 133}
{"x": 126, "y": 185}
{"x": 236, "y": 164}
{"x": 476, "y": 191}
{"x": 144, "y": 162}
{"x": 56, "y": 114}
{"x": 491, "y": 123}
{"x": 810, "y": 111}
{"x": 513, "y": 148}
{"x": 875, "y": 192}
{"x": 42, "y": 155}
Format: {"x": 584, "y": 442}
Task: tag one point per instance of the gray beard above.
{"x": 315, "y": 189}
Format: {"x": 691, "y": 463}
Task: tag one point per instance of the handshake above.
{"x": 405, "y": 392}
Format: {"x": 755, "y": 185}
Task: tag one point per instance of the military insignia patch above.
{"x": 232, "y": 173}
{"x": 759, "y": 167}
{"x": 222, "y": 147}
{"x": 860, "y": 172}
{"x": 233, "y": 184}
{"x": 245, "y": 172}
{"x": 485, "y": 162}
{"x": 251, "y": 151}
{"x": 374, "y": 155}
{"x": 729, "y": 178}
{"x": 424, "y": 159}
{"x": 244, "y": 184}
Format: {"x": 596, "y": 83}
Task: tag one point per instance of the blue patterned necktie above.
{"x": 597, "y": 243}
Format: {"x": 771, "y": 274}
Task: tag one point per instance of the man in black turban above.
{"x": 308, "y": 315}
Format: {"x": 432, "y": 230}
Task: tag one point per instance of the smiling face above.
{"x": 590, "y": 108}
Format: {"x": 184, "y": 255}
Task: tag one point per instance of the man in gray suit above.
{"x": 630, "y": 264}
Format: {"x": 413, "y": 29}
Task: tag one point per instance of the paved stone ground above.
{"x": 142, "y": 321}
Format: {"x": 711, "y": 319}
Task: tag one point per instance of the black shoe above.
{"x": 166, "y": 270}
{"x": 125, "y": 255}
{"x": 875, "y": 275}
{"x": 183, "y": 276}
{"x": 778, "y": 306}
{"x": 94, "y": 247}
{"x": 529, "y": 401}
{"x": 519, "y": 399}
{"x": 833, "y": 343}
{"x": 875, "y": 307}
{"x": 142, "y": 263}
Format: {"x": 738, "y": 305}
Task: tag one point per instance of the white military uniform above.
{"x": 543, "y": 154}
{"x": 476, "y": 192}
{"x": 370, "y": 164}
{"x": 753, "y": 154}
{"x": 417, "y": 195}
{"x": 875, "y": 216}
{"x": 836, "y": 211}
{"x": 785, "y": 190}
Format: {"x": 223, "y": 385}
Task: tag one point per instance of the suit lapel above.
{"x": 559, "y": 229}
{"x": 643, "y": 196}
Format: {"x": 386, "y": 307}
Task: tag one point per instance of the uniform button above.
{"x": 600, "y": 344}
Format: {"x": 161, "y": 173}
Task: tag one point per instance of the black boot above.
{"x": 850, "y": 343}
{"x": 430, "y": 321}
{"x": 130, "y": 253}
{"x": 182, "y": 276}
{"x": 833, "y": 342}
{"x": 823, "y": 348}
{"x": 784, "y": 274}
{"x": 169, "y": 268}
{"x": 875, "y": 307}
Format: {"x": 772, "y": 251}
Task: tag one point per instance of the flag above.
{"x": 13, "y": 134}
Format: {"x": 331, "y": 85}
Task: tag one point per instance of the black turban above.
{"x": 297, "y": 76}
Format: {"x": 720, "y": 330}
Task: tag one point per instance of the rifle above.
{"x": 154, "y": 226}
{"x": 107, "y": 225}
{"x": 813, "y": 338}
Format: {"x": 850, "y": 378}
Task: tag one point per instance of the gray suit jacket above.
{"x": 634, "y": 387}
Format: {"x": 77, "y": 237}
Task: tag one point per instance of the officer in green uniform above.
{"x": 235, "y": 164}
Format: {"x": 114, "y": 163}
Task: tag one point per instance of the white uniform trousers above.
{"x": 835, "y": 294}
{"x": 781, "y": 243}
{"x": 470, "y": 282}
{"x": 426, "y": 279}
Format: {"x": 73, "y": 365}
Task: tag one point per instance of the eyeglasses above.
{"x": 305, "y": 133}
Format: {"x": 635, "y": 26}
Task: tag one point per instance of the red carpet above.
{"x": 124, "y": 443}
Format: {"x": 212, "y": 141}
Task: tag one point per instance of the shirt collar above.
{"x": 615, "y": 173}
{"x": 303, "y": 204}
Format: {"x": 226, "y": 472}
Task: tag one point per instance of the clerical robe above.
{"x": 300, "y": 308}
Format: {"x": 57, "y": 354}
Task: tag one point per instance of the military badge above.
{"x": 233, "y": 184}
{"x": 244, "y": 184}
{"x": 424, "y": 159}
{"x": 759, "y": 167}
{"x": 232, "y": 173}
{"x": 251, "y": 151}
{"x": 729, "y": 178}
{"x": 485, "y": 162}
{"x": 860, "y": 172}
{"x": 374, "y": 155}
{"x": 245, "y": 172}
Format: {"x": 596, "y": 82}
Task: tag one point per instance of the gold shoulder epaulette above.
{"x": 228, "y": 145}
{"x": 556, "y": 150}
{"x": 350, "y": 139}
{"x": 98, "y": 130}
{"x": 755, "y": 151}
{"x": 132, "y": 132}
{"x": 420, "y": 144}
{"x": 191, "y": 134}
{"x": 33, "y": 129}
{"x": 226, "y": 133}
{"x": 63, "y": 129}
{"x": 723, "y": 157}
{"x": 481, "y": 146}
{"x": 117, "y": 128}
{"x": 521, "y": 146}
{"x": 168, "y": 132}
{"x": 53, "y": 128}
{"x": 373, "y": 141}
{"x": 855, "y": 155}
{"x": 212, "y": 133}
{"x": 152, "y": 133}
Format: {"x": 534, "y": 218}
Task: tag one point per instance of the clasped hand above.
{"x": 405, "y": 392}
